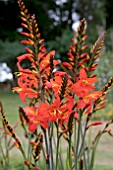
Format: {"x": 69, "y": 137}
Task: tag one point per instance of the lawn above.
{"x": 104, "y": 155}
{"x": 11, "y": 102}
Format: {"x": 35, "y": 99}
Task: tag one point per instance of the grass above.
{"x": 10, "y": 102}
{"x": 103, "y": 167}
{"x": 104, "y": 114}
{"x": 104, "y": 155}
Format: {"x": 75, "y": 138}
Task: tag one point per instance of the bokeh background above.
{"x": 57, "y": 19}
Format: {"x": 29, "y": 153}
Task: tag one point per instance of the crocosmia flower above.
{"x": 86, "y": 102}
{"x": 57, "y": 110}
{"x": 35, "y": 117}
{"x": 84, "y": 85}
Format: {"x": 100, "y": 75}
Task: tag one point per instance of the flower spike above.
{"x": 76, "y": 55}
{"x": 95, "y": 51}
{"x": 107, "y": 86}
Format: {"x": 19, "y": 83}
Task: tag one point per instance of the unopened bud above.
{"x": 24, "y": 25}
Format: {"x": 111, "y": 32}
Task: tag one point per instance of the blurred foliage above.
{"x": 95, "y": 12}
{"x": 9, "y": 51}
{"x": 55, "y": 19}
{"x": 104, "y": 114}
{"x": 109, "y": 13}
{"x": 61, "y": 44}
{"x": 105, "y": 71}
{"x": 53, "y": 16}
{"x": 9, "y": 21}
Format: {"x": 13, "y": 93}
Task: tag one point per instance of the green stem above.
{"x": 51, "y": 155}
{"x": 83, "y": 149}
{"x": 44, "y": 155}
{"x": 47, "y": 149}
{"x": 83, "y": 138}
{"x": 95, "y": 143}
{"x": 75, "y": 134}
{"x": 57, "y": 147}
{"x": 75, "y": 138}
{"x": 7, "y": 166}
{"x": 94, "y": 152}
{"x": 29, "y": 148}
{"x": 2, "y": 152}
{"x": 61, "y": 162}
{"x": 78, "y": 140}
{"x": 50, "y": 133}
{"x": 70, "y": 159}
{"x": 89, "y": 148}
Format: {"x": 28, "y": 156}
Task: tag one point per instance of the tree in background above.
{"x": 9, "y": 20}
{"x": 109, "y": 13}
{"x": 55, "y": 18}
{"x": 53, "y": 15}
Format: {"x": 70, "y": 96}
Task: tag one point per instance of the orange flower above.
{"x": 60, "y": 73}
{"x": 24, "y": 91}
{"x": 51, "y": 110}
{"x": 96, "y": 123}
{"x": 28, "y": 79}
{"x": 24, "y": 57}
{"x": 57, "y": 110}
{"x": 86, "y": 102}
{"x": 66, "y": 64}
{"x": 35, "y": 117}
{"x": 76, "y": 115}
{"x": 36, "y": 168}
{"x": 44, "y": 59}
{"x": 56, "y": 83}
{"x": 67, "y": 109}
{"x": 83, "y": 86}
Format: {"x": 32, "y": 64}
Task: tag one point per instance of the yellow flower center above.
{"x": 84, "y": 82}
{"x": 52, "y": 111}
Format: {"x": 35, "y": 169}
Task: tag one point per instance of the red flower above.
{"x": 66, "y": 64}
{"x": 86, "y": 102}
{"x": 76, "y": 115}
{"x": 25, "y": 92}
{"x": 36, "y": 117}
{"x": 55, "y": 84}
{"x": 28, "y": 79}
{"x": 83, "y": 86}
{"x": 36, "y": 168}
{"x": 57, "y": 110}
{"x": 51, "y": 110}
{"x": 60, "y": 73}
{"x": 94, "y": 124}
{"x": 44, "y": 59}
{"x": 24, "y": 57}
